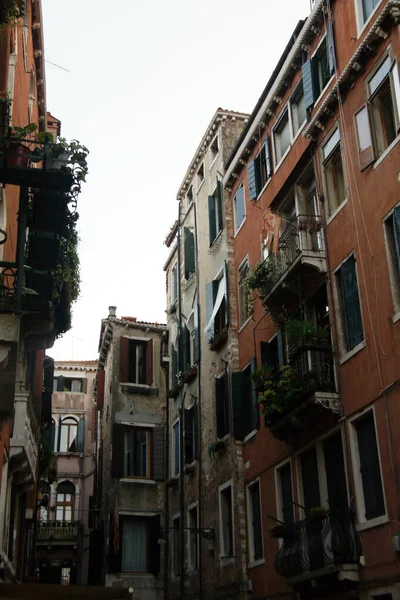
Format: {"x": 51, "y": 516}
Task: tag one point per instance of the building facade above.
{"x": 64, "y": 516}
{"x": 207, "y": 541}
{"x": 129, "y": 492}
{"x": 319, "y": 156}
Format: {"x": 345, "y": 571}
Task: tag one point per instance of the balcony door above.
{"x": 65, "y": 501}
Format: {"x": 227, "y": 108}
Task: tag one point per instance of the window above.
{"x": 285, "y": 494}
{"x": 174, "y": 283}
{"x": 392, "y": 236}
{"x": 65, "y": 501}
{"x": 193, "y": 537}
{"x": 134, "y": 546}
{"x": 188, "y": 237}
{"x": 352, "y": 327}
{"x": 200, "y": 176}
{"x": 383, "y": 92}
{"x": 190, "y": 434}
{"x": 189, "y": 197}
{"x": 136, "y": 452}
{"x": 217, "y": 305}
{"x": 245, "y": 407}
{"x": 227, "y": 547}
{"x": 259, "y": 170}
{"x": 222, "y": 406}
{"x": 367, "y": 6}
{"x": 176, "y": 458}
{"x": 239, "y": 207}
{"x": 69, "y": 432}
{"x": 371, "y": 503}
{"x": 214, "y": 149}
{"x": 244, "y": 294}
{"x": 215, "y": 219}
{"x": 69, "y": 384}
{"x": 318, "y": 70}
{"x": 282, "y": 137}
{"x": 136, "y": 361}
{"x": 297, "y": 109}
{"x": 176, "y": 545}
{"x": 254, "y": 520}
{"x": 321, "y": 67}
{"x": 333, "y": 172}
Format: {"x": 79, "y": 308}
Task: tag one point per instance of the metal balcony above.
{"x": 301, "y": 253}
{"x": 25, "y": 440}
{"x": 316, "y": 547}
{"x": 58, "y": 532}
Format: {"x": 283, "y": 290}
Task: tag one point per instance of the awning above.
{"x": 217, "y": 304}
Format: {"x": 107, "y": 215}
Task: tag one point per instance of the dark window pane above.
{"x": 369, "y": 467}
{"x": 309, "y": 471}
{"x": 285, "y": 475}
{"x": 335, "y": 472}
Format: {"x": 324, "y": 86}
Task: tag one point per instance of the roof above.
{"x": 75, "y": 362}
{"x": 134, "y": 320}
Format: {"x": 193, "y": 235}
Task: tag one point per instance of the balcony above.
{"x": 58, "y": 532}
{"x": 302, "y": 393}
{"x": 25, "y": 440}
{"x": 316, "y": 547}
{"x": 299, "y": 262}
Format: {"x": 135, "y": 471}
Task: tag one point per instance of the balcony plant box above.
{"x": 174, "y": 392}
{"x": 317, "y": 513}
{"x": 218, "y": 340}
{"x": 190, "y": 375}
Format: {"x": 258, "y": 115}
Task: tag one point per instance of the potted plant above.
{"x": 317, "y": 512}
{"x": 277, "y": 530}
{"x": 14, "y": 153}
{"x": 189, "y": 374}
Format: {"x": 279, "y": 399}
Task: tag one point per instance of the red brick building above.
{"x": 315, "y": 229}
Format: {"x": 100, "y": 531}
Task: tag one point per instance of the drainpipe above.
{"x": 166, "y": 471}
{"x": 181, "y": 423}
{"x": 198, "y": 440}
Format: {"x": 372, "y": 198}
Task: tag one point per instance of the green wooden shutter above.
{"x": 196, "y": 335}
{"x": 238, "y": 412}
{"x": 220, "y": 201}
{"x": 369, "y": 467}
{"x": 189, "y": 252}
{"x": 84, "y": 385}
{"x": 308, "y": 84}
{"x": 174, "y": 365}
{"x": 117, "y": 460}
{"x": 330, "y": 47}
{"x": 154, "y": 536}
{"x": 196, "y": 431}
{"x": 268, "y": 160}
{"x": 188, "y": 435}
{"x": 60, "y": 383}
{"x": 254, "y": 398}
{"x": 212, "y": 219}
{"x": 59, "y": 434}
{"x": 80, "y": 438}
{"x": 149, "y": 362}
{"x": 209, "y": 306}
{"x": 157, "y": 454}
{"x": 227, "y": 293}
{"x": 124, "y": 360}
{"x": 251, "y": 178}
{"x": 222, "y": 406}
{"x": 396, "y": 234}
{"x": 351, "y": 304}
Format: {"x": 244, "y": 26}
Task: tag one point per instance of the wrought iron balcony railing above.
{"x": 303, "y": 234}
{"x": 319, "y": 543}
{"x": 314, "y": 367}
{"x": 58, "y": 531}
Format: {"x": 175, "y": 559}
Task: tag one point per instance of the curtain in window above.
{"x": 134, "y": 546}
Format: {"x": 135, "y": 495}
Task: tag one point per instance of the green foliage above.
{"x": 21, "y": 133}
{"x": 298, "y": 330}
{"x": 280, "y": 393}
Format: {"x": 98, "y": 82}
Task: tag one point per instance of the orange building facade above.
{"x": 312, "y": 189}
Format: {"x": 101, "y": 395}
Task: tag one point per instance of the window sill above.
{"x": 244, "y": 324}
{"x": 138, "y": 481}
{"x": 396, "y": 317}
{"x": 386, "y": 152}
{"x": 372, "y": 523}
{"x": 352, "y": 352}
{"x": 282, "y": 158}
{"x": 79, "y": 454}
{"x": 216, "y": 239}
{"x": 226, "y": 560}
{"x": 250, "y": 435}
{"x": 323, "y": 92}
{"x": 137, "y": 388}
{"x": 240, "y": 226}
{"x": 256, "y": 563}
{"x": 337, "y": 211}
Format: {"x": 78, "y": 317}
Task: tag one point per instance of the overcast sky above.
{"x": 143, "y": 81}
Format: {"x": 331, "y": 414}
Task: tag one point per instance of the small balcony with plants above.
{"x": 326, "y": 543}
{"x": 298, "y": 263}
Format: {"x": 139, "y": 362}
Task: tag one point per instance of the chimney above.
{"x": 112, "y": 312}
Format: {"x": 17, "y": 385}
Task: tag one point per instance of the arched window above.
{"x": 44, "y": 501}
{"x": 65, "y": 501}
{"x": 69, "y": 430}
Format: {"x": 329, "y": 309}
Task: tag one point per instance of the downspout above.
{"x": 166, "y": 471}
{"x": 181, "y": 423}
{"x": 199, "y": 437}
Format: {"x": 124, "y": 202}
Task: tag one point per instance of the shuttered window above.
{"x": 190, "y": 434}
{"x": 222, "y": 406}
{"x": 364, "y": 138}
{"x": 255, "y": 524}
{"x": 244, "y": 403}
{"x": 189, "y": 252}
{"x": 176, "y": 458}
{"x": 137, "y": 452}
{"x": 369, "y": 466}
{"x": 351, "y": 304}
{"x": 215, "y": 212}
{"x": 318, "y": 70}
{"x": 136, "y": 361}
{"x": 239, "y": 207}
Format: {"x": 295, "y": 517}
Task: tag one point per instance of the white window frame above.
{"x": 394, "y": 277}
{"x": 355, "y": 460}
{"x": 250, "y": 534}
{"x": 278, "y": 487}
{"x": 212, "y": 160}
{"x": 361, "y": 24}
{"x": 238, "y": 228}
{"x": 191, "y": 564}
{"x": 200, "y": 182}
{"x": 278, "y": 122}
{"x": 224, "y": 558}
{"x": 324, "y": 162}
{"x": 173, "y": 268}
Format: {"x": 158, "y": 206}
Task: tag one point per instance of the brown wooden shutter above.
{"x": 117, "y": 461}
{"x": 84, "y": 385}
{"x": 158, "y": 451}
{"x": 101, "y": 375}
{"x": 364, "y": 138}
{"x": 149, "y": 362}
{"x": 124, "y": 360}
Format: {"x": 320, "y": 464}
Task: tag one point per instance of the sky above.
{"x": 138, "y": 83}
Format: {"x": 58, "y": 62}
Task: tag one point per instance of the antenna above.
{"x": 58, "y": 66}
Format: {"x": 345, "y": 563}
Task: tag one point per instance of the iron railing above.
{"x": 58, "y": 531}
{"x": 303, "y": 233}
{"x": 314, "y": 367}
{"x": 314, "y": 544}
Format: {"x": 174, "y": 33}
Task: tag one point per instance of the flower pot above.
{"x": 16, "y": 156}
{"x": 57, "y": 163}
